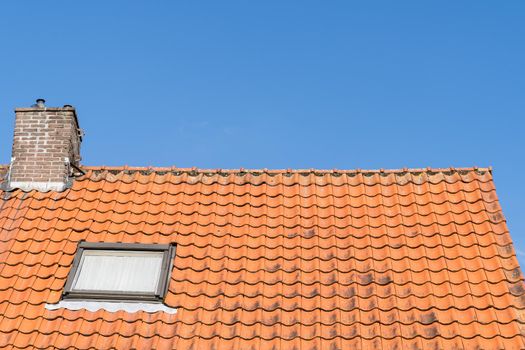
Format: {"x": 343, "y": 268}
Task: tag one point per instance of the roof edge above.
{"x": 279, "y": 171}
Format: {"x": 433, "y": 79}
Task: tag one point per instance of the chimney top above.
{"x": 40, "y": 103}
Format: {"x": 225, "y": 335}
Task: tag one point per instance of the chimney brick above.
{"x": 46, "y": 144}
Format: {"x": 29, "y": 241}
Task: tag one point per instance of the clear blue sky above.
{"x": 279, "y": 84}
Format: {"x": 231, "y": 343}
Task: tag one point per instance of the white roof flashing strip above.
{"x": 39, "y": 186}
{"x": 111, "y": 306}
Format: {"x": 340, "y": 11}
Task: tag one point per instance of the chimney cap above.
{"x": 40, "y": 102}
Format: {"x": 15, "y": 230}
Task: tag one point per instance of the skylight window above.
{"x": 109, "y": 271}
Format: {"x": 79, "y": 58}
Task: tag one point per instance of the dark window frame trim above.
{"x": 165, "y": 272}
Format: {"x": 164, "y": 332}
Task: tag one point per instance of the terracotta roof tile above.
{"x": 407, "y": 259}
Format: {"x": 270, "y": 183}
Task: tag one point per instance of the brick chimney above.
{"x": 46, "y": 148}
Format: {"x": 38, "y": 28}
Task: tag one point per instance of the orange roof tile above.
{"x": 306, "y": 259}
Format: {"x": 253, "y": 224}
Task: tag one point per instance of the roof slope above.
{"x": 418, "y": 259}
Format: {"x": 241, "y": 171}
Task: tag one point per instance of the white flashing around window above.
{"x": 39, "y": 186}
{"x": 111, "y": 306}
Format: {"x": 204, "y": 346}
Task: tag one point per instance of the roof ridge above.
{"x": 281, "y": 171}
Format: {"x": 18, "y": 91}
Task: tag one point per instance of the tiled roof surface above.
{"x": 418, "y": 259}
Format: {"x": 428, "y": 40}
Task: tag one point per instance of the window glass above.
{"x": 118, "y": 271}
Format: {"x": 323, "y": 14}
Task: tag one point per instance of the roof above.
{"x": 405, "y": 259}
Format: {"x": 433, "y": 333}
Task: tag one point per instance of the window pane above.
{"x": 123, "y": 271}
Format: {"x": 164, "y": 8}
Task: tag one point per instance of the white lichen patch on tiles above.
{"x": 111, "y": 306}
